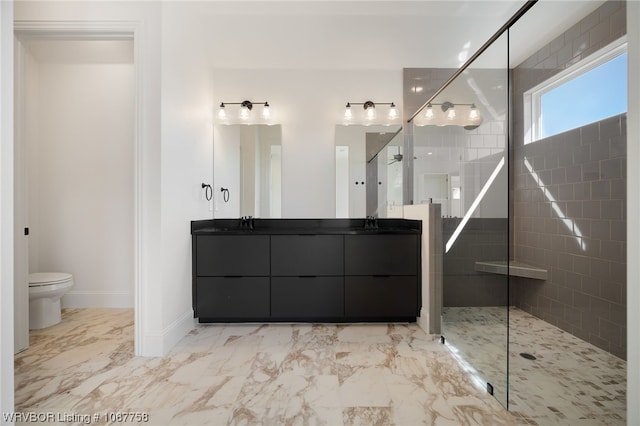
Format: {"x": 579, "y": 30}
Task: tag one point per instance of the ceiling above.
{"x": 355, "y": 34}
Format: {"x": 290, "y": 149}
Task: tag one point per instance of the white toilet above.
{"x": 45, "y": 291}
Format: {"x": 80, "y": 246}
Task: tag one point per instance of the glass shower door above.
{"x": 461, "y": 161}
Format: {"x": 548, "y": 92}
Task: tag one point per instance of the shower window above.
{"x": 547, "y": 111}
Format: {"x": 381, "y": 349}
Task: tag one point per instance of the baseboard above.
{"x": 98, "y": 299}
{"x": 423, "y": 321}
{"x": 158, "y": 343}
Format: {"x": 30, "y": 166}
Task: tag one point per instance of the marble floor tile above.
{"x": 303, "y": 374}
{"x": 569, "y": 382}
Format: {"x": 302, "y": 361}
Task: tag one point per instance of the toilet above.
{"x": 45, "y": 291}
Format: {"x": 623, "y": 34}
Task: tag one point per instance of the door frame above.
{"x": 100, "y": 30}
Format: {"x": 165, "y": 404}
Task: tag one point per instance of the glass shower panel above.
{"x": 461, "y": 161}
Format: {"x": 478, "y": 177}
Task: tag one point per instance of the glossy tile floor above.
{"x": 276, "y": 374}
{"x": 571, "y": 382}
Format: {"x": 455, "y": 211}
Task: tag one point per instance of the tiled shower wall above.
{"x": 569, "y": 197}
{"x": 482, "y": 239}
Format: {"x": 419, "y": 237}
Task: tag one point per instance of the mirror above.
{"x": 247, "y": 172}
{"x": 369, "y": 162}
{"x": 437, "y": 168}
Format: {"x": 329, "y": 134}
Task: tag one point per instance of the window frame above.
{"x": 533, "y": 97}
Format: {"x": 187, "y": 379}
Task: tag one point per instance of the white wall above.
{"x": 187, "y": 161}
{"x": 308, "y": 103}
{"x": 81, "y": 194}
{"x": 6, "y": 208}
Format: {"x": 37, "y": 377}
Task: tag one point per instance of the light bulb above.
{"x": 429, "y": 114}
{"x": 266, "y": 111}
{"x": 370, "y": 112}
{"x": 244, "y": 112}
{"x": 473, "y": 113}
{"x": 393, "y": 111}
{"x": 222, "y": 113}
{"x": 348, "y": 114}
{"x": 451, "y": 113}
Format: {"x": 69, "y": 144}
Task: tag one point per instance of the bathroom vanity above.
{"x": 306, "y": 270}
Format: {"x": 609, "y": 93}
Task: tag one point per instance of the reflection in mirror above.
{"x": 247, "y": 170}
{"x": 453, "y": 161}
{"x": 368, "y": 169}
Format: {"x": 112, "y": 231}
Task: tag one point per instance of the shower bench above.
{"x": 514, "y": 269}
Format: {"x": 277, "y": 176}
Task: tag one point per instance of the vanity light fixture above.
{"x": 465, "y": 115}
{"x": 370, "y": 110}
{"x": 246, "y": 108}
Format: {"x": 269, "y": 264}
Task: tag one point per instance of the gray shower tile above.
{"x": 581, "y": 265}
{"x": 600, "y": 342}
{"x": 590, "y": 21}
{"x": 590, "y": 134}
{"x": 610, "y": 127}
{"x": 618, "y": 23}
{"x": 611, "y": 209}
{"x": 618, "y": 230}
{"x": 600, "y": 190}
{"x": 572, "y": 315}
{"x": 565, "y": 263}
{"x": 551, "y": 162}
{"x": 558, "y": 176}
{"x": 582, "y": 227}
{"x": 574, "y": 209}
{"x": 581, "y": 153}
{"x": 591, "y": 209}
{"x": 612, "y": 250}
{"x": 600, "y": 269}
{"x": 619, "y": 190}
{"x": 611, "y": 292}
{"x": 557, "y": 43}
{"x": 601, "y": 229}
{"x": 611, "y": 169}
{"x": 599, "y": 308}
{"x": 574, "y": 173}
{"x": 590, "y": 285}
{"x": 581, "y": 301}
{"x": 600, "y": 34}
{"x": 591, "y": 171}
{"x": 582, "y": 190}
{"x": 600, "y": 150}
{"x": 573, "y": 281}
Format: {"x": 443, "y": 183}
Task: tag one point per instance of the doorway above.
{"x": 96, "y": 169}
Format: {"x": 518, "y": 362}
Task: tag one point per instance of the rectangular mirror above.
{"x": 368, "y": 169}
{"x": 247, "y": 172}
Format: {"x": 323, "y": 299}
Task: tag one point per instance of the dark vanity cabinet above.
{"x": 307, "y": 276}
{"x": 232, "y": 276}
{"x": 381, "y": 276}
{"x": 333, "y": 270}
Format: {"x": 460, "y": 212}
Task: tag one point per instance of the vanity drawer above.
{"x": 233, "y": 297}
{"x": 297, "y": 255}
{"x": 393, "y": 296}
{"x": 381, "y": 254}
{"x": 307, "y": 297}
{"x": 238, "y": 255}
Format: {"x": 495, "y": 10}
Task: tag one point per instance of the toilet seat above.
{"x": 39, "y": 279}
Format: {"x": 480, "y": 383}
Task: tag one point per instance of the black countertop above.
{"x": 305, "y": 226}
